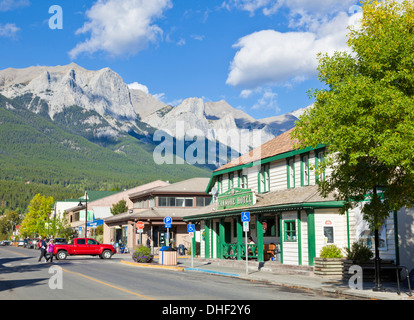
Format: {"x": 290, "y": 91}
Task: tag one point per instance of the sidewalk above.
{"x": 292, "y": 278}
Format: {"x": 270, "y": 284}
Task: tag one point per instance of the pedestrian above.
{"x": 149, "y": 242}
{"x": 42, "y": 247}
{"x": 50, "y": 248}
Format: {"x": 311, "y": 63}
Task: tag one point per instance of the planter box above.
{"x": 332, "y": 267}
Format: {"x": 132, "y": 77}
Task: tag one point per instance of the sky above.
{"x": 258, "y": 55}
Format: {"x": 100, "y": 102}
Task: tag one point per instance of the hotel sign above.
{"x": 236, "y": 197}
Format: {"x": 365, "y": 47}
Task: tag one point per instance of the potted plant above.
{"x": 142, "y": 255}
{"x": 329, "y": 262}
{"x": 359, "y": 254}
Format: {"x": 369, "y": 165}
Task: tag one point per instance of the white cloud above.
{"x": 267, "y": 100}
{"x": 121, "y": 27}
{"x": 270, "y": 57}
{"x": 7, "y": 5}
{"x": 269, "y": 7}
{"x": 8, "y": 30}
{"x": 138, "y": 86}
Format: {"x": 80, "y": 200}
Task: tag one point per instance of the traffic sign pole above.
{"x": 191, "y": 231}
{"x": 246, "y": 218}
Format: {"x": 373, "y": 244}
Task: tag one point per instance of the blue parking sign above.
{"x": 245, "y": 216}
{"x": 190, "y": 228}
{"x": 167, "y": 222}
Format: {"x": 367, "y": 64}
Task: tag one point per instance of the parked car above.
{"x": 60, "y": 241}
{"x": 20, "y": 243}
{"x": 5, "y": 243}
{"x": 84, "y": 246}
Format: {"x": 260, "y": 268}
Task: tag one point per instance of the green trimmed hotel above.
{"x": 289, "y": 221}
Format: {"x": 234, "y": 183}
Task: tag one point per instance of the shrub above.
{"x": 331, "y": 251}
{"x": 359, "y": 252}
{"x": 142, "y": 255}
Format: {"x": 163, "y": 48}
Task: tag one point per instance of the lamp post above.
{"x": 86, "y": 212}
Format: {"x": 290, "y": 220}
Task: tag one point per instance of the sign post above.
{"x": 246, "y": 220}
{"x": 167, "y": 224}
{"x": 191, "y": 231}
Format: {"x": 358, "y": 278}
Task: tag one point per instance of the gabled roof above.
{"x": 190, "y": 186}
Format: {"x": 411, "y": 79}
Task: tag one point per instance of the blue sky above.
{"x": 258, "y": 55}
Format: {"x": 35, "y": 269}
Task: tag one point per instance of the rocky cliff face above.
{"x": 103, "y": 102}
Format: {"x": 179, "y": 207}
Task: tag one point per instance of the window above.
{"x": 231, "y": 180}
{"x": 242, "y": 180}
{"x": 290, "y": 230}
{"x": 264, "y": 178}
{"x": 175, "y": 202}
{"x": 328, "y": 233}
{"x": 304, "y": 170}
{"x": 81, "y": 241}
{"x": 202, "y": 201}
{"x": 291, "y": 173}
{"x": 319, "y": 158}
{"x": 220, "y": 184}
{"x": 93, "y": 242}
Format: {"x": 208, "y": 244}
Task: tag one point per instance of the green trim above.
{"x": 222, "y": 237}
{"x": 299, "y": 238}
{"x": 239, "y": 236}
{"x": 347, "y": 229}
{"x": 207, "y": 238}
{"x": 285, "y": 235}
{"x": 258, "y": 162}
{"x": 281, "y": 237}
{"x": 259, "y": 235}
{"x": 311, "y": 236}
{"x": 194, "y": 246}
{"x": 319, "y": 153}
{"x": 397, "y": 244}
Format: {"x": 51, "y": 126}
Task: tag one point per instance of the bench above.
{"x": 269, "y": 251}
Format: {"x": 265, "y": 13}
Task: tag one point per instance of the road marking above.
{"x": 109, "y": 285}
{"x": 20, "y": 254}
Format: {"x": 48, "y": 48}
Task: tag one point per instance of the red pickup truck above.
{"x": 83, "y": 246}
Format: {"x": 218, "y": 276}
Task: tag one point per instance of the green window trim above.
{"x": 304, "y": 170}
{"x": 290, "y": 165}
{"x": 289, "y": 231}
{"x": 263, "y": 178}
{"x": 242, "y": 181}
{"x": 220, "y": 184}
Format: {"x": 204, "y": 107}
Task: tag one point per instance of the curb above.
{"x": 213, "y": 272}
{"x": 157, "y": 266}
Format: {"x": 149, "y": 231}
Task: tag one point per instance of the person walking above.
{"x": 50, "y": 248}
{"x": 42, "y": 247}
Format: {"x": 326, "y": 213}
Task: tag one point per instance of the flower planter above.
{"x": 329, "y": 267}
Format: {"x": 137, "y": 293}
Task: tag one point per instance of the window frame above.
{"x": 288, "y": 232}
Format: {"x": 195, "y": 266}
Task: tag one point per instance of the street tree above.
{"x": 365, "y": 113}
{"x": 37, "y": 220}
{"x": 119, "y": 207}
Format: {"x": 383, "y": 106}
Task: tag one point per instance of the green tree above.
{"x": 37, "y": 220}
{"x": 365, "y": 113}
{"x": 119, "y": 207}
{"x": 365, "y": 116}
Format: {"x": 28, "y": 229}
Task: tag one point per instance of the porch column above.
{"x": 221, "y": 238}
{"x": 239, "y": 227}
{"x": 311, "y": 235}
{"x": 207, "y": 239}
{"x": 259, "y": 231}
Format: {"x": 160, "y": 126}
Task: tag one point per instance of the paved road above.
{"x": 81, "y": 278}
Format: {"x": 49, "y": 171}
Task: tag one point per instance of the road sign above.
{"x": 140, "y": 225}
{"x": 245, "y": 216}
{"x": 246, "y": 226}
{"x": 167, "y": 222}
{"x": 190, "y": 228}
{"x": 191, "y": 234}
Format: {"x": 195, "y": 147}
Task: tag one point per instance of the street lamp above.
{"x": 80, "y": 204}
